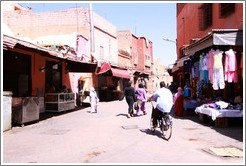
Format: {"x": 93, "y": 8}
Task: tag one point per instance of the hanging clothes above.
{"x": 195, "y": 70}
{"x": 231, "y": 66}
{"x": 241, "y": 64}
{"x": 201, "y": 75}
{"x": 218, "y": 71}
{"x": 205, "y": 69}
{"x": 210, "y": 65}
{"x": 199, "y": 88}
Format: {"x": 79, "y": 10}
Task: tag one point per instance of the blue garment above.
{"x": 206, "y": 79}
{"x": 191, "y": 104}
{"x": 187, "y": 92}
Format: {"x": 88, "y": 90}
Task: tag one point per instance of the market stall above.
{"x": 58, "y": 102}
{"x": 220, "y": 116}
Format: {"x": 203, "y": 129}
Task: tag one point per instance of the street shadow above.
{"x": 234, "y": 129}
{"x": 232, "y": 132}
{"x": 133, "y": 115}
{"x": 156, "y": 133}
{"x": 47, "y": 115}
{"x": 126, "y": 115}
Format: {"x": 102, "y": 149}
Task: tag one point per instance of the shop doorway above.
{"x": 53, "y": 75}
{"x": 17, "y": 73}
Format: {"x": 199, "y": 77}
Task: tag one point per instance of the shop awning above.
{"x": 120, "y": 73}
{"x": 78, "y": 66}
{"x": 103, "y": 68}
{"x": 136, "y": 72}
{"x": 175, "y": 68}
{"x": 233, "y": 37}
{"x": 140, "y": 73}
{"x": 144, "y": 75}
{"x": 73, "y": 65}
{"x": 179, "y": 63}
{"x": 10, "y": 42}
{"x": 116, "y": 72}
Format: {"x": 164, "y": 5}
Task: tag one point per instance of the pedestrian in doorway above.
{"x": 141, "y": 96}
{"x": 94, "y": 100}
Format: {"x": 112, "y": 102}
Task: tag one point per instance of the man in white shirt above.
{"x": 164, "y": 102}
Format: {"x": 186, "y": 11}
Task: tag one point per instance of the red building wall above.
{"x": 124, "y": 48}
{"x": 134, "y": 50}
{"x": 188, "y": 22}
{"x": 144, "y": 48}
{"x": 188, "y": 27}
{"x": 141, "y": 59}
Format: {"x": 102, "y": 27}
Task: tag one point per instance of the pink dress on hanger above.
{"x": 231, "y": 66}
{"x": 210, "y": 65}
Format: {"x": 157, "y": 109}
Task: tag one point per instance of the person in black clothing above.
{"x": 173, "y": 87}
{"x": 129, "y": 93}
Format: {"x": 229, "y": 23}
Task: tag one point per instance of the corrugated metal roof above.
{"x": 11, "y": 42}
{"x": 75, "y": 64}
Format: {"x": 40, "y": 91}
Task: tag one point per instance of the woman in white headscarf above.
{"x": 93, "y": 100}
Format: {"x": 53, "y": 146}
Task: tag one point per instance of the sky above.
{"x": 153, "y": 20}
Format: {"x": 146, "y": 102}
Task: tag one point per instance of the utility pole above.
{"x": 92, "y": 38}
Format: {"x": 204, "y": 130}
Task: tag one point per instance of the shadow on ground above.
{"x": 47, "y": 115}
{"x": 156, "y": 133}
{"x": 234, "y": 129}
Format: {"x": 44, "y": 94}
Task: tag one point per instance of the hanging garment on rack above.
{"x": 205, "y": 69}
{"x": 210, "y": 65}
{"x": 231, "y": 66}
{"x": 201, "y": 75}
{"x": 218, "y": 71}
{"x": 241, "y": 64}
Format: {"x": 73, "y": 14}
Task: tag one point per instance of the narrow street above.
{"x": 110, "y": 137}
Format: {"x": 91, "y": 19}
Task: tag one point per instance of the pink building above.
{"x": 140, "y": 53}
{"x": 145, "y": 60}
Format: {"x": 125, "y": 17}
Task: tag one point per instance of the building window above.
{"x": 205, "y": 16}
{"x": 226, "y": 9}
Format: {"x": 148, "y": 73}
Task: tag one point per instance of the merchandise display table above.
{"x": 218, "y": 115}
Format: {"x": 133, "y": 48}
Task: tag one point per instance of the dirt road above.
{"x": 110, "y": 137}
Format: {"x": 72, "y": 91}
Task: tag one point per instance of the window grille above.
{"x": 226, "y": 9}
{"x": 205, "y": 16}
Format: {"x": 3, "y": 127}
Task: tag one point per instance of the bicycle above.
{"x": 164, "y": 123}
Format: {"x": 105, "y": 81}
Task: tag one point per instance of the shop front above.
{"x": 213, "y": 67}
{"x": 111, "y": 81}
{"x": 30, "y": 72}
